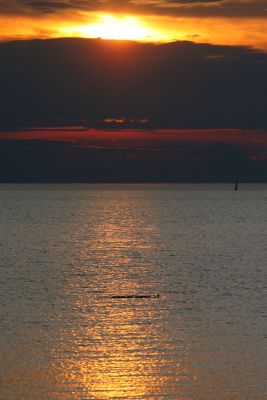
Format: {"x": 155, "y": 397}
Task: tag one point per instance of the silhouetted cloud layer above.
{"x": 175, "y": 85}
{"x": 212, "y": 156}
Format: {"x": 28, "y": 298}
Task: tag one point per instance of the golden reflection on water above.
{"x": 116, "y": 346}
{"x": 115, "y": 369}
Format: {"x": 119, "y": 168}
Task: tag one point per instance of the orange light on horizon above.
{"x": 140, "y": 28}
{"x": 116, "y": 28}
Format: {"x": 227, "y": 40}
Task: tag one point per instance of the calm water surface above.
{"x": 66, "y": 250}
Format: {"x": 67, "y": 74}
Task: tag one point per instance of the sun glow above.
{"x": 117, "y": 28}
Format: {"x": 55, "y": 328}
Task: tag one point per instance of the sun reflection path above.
{"x": 120, "y": 348}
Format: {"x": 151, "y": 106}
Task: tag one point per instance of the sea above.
{"x": 133, "y": 292}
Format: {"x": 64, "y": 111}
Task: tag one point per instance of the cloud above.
{"x": 18, "y": 7}
{"x": 48, "y": 6}
{"x": 185, "y": 158}
{"x": 193, "y": 8}
{"x": 175, "y": 85}
{"x": 206, "y": 8}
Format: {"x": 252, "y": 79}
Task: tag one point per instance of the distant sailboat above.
{"x": 236, "y": 184}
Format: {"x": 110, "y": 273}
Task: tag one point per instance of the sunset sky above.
{"x": 179, "y": 93}
{"x": 214, "y": 21}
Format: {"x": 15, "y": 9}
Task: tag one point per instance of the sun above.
{"x": 117, "y": 28}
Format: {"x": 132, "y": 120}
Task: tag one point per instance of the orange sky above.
{"x": 232, "y": 22}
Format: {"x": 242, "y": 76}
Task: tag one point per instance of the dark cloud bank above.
{"x": 50, "y": 161}
{"x": 181, "y": 84}
{"x": 177, "y": 85}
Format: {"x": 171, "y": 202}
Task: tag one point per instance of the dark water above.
{"x": 66, "y": 250}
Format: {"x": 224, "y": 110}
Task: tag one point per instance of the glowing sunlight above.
{"x": 118, "y": 28}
